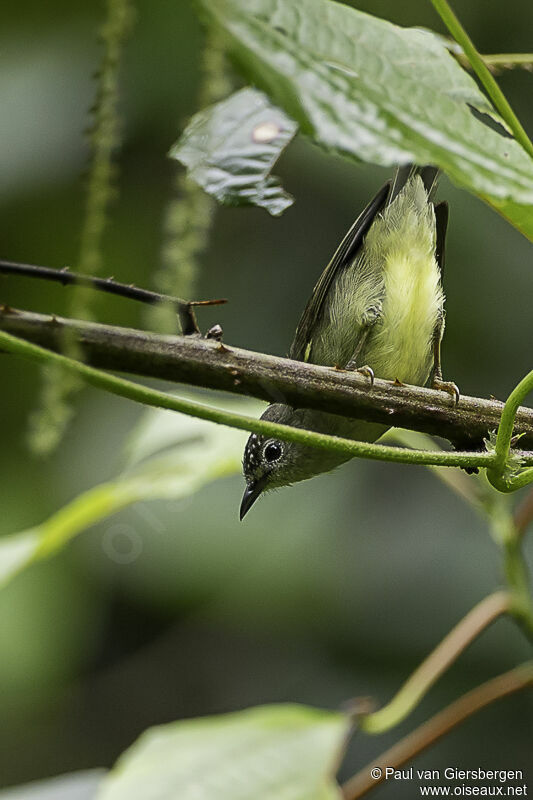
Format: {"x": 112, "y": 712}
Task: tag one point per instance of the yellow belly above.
{"x": 401, "y": 345}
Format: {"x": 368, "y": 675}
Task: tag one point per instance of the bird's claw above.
{"x": 368, "y": 371}
{"x": 449, "y": 387}
{"x": 364, "y": 370}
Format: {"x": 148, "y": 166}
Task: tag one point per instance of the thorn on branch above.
{"x": 217, "y": 302}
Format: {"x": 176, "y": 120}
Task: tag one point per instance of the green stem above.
{"x": 84, "y": 511}
{"x": 518, "y": 581}
{"x": 418, "y": 684}
{"x": 429, "y": 732}
{"x": 482, "y": 71}
{"x": 496, "y": 474}
{"x": 42, "y": 541}
{"x": 512, "y": 484}
{"x": 152, "y": 397}
{"x": 498, "y": 60}
{"x": 509, "y": 60}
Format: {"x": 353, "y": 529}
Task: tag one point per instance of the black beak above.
{"x": 251, "y": 493}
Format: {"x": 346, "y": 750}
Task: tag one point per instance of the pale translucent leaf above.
{"x": 230, "y": 149}
{"x": 280, "y": 752}
{"x": 77, "y": 786}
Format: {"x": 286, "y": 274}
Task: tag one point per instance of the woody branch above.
{"x": 196, "y": 361}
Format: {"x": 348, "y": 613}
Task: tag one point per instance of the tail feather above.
{"x": 428, "y": 173}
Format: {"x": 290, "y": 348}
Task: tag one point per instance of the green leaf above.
{"x": 173, "y": 455}
{"x": 231, "y": 147}
{"x": 376, "y": 92}
{"x": 170, "y": 456}
{"x": 265, "y": 753}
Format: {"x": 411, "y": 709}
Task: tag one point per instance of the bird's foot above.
{"x": 449, "y": 387}
{"x": 365, "y": 370}
{"x": 368, "y": 371}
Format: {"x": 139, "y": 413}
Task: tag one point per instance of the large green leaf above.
{"x": 231, "y": 147}
{"x": 265, "y": 753}
{"x": 377, "y": 92}
{"x": 75, "y": 786}
{"x": 170, "y": 456}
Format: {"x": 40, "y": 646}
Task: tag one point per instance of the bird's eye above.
{"x": 272, "y": 452}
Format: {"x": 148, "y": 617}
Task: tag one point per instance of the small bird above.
{"x": 377, "y": 308}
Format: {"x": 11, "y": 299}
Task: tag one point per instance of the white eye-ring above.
{"x": 272, "y": 452}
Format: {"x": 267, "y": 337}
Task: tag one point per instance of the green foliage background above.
{"x": 331, "y": 589}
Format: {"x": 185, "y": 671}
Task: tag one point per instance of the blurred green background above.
{"x": 332, "y": 589}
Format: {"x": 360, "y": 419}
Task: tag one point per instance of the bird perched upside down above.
{"x": 378, "y": 308}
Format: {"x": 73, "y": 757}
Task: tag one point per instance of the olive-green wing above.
{"x": 344, "y": 256}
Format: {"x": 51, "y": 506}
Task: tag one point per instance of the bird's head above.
{"x": 269, "y": 463}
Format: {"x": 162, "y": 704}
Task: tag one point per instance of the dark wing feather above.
{"x": 344, "y": 256}
{"x": 441, "y": 222}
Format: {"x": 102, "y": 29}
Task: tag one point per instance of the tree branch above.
{"x": 152, "y": 397}
{"x": 206, "y": 363}
{"x": 183, "y": 308}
